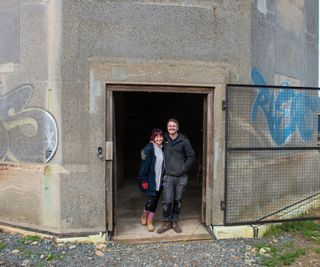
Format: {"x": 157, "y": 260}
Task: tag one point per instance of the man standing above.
{"x": 179, "y": 157}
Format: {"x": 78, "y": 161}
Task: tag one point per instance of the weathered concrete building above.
{"x": 82, "y": 83}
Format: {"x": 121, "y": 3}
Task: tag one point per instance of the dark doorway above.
{"x": 135, "y": 115}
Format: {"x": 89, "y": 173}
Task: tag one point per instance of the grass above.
{"x": 29, "y": 239}
{"x": 2, "y": 245}
{"x": 52, "y": 257}
{"x": 49, "y": 256}
{"x": 27, "y": 252}
{"x": 309, "y": 229}
{"x": 279, "y": 255}
{"x": 286, "y": 254}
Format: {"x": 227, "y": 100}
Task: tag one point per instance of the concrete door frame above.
{"x": 207, "y": 190}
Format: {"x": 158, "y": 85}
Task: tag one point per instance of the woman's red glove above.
{"x": 145, "y": 185}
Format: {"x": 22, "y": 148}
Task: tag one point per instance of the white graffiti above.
{"x": 27, "y": 134}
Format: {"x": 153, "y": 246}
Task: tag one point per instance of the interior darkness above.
{"x": 137, "y": 113}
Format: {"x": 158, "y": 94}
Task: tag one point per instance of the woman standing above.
{"x": 150, "y": 174}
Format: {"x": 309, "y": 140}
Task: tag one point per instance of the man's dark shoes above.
{"x": 164, "y": 227}
{"x": 176, "y": 227}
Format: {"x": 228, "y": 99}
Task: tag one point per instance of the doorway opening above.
{"x": 135, "y": 115}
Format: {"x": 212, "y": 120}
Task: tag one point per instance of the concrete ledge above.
{"x": 27, "y": 229}
{"x": 13, "y": 230}
{"x": 227, "y": 232}
{"x": 98, "y": 238}
{"x": 241, "y": 231}
{"x": 95, "y": 238}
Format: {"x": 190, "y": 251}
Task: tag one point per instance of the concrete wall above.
{"x": 284, "y": 41}
{"x": 67, "y": 51}
{"x": 30, "y": 113}
{"x": 134, "y": 42}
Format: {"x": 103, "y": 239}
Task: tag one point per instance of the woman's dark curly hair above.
{"x": 154, "y": 133}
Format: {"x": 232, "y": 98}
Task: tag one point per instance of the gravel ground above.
{"x": 17, "y": 250}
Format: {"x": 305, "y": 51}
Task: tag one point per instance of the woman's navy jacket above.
{"x": 147, "y": 172}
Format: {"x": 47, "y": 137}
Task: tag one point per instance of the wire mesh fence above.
{"x": 272, "y": 154}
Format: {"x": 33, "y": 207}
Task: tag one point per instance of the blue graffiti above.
{"x": 285, "y": 112}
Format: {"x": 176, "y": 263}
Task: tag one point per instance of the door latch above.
{"x": 224, "y": 105}
{"x": 99, "y": 153}
{"x": 109, "y": 150}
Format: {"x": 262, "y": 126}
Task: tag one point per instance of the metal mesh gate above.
{"x": 272, "y": 154}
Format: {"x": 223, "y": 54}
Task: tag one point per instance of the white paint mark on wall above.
{"x": 92, "y": 100}
{"x": 262, "y": 6}
{"x": 6, "y": 68}
{"x": 95, "y": 90}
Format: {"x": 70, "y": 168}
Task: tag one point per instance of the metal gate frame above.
{"x": 229, "y": 149}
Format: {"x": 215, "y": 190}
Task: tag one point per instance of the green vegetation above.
{"x": 2, "y": 245}
{"x": 52, "y": 257}
{"x": 273, "y": 254}
{"x": 27, "y": 252}
{"x": 29, "y": 239}
{"x": 309, "y": 229}
{"x": 279, "y": 255}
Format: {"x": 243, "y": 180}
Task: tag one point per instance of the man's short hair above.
{"x": 173, "y": 120}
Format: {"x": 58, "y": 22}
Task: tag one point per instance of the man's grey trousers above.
{"x": 173, "y": 188}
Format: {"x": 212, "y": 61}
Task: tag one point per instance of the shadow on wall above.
{"x": 27, "y": 134}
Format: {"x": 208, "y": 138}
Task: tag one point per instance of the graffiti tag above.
{"x": 27, "y": 134}
{"x": 285, "y": 110}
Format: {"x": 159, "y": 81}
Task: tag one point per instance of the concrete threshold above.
{"x": 133, "y": 232}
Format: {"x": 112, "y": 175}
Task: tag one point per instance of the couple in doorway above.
{"x": 164, "y": 166}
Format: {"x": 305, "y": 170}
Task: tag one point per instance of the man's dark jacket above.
{"x": 179, "y": 155}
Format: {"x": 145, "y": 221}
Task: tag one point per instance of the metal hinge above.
{"x": 224, "y": 105}
{"x": 222, "y": 205}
